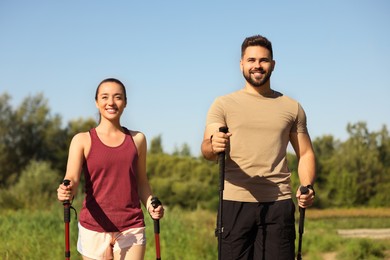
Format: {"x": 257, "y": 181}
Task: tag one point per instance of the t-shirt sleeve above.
{"x": 300, "y": 125}
{"x": 216, "y": 113}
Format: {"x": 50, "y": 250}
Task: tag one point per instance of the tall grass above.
{"x": 185, "y": 235}
{"x": 33, "y": 235}
{"x": 40, "y": 235}
{"x": 320, "y": 234}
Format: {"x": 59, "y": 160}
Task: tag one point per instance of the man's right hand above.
{"x": 220, "y": 142}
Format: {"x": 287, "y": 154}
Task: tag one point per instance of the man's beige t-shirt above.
{"x": 256, "y": 164}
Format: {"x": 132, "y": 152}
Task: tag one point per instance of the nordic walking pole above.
{"x": 221, "y": 161}
{"x": 155, "y": 203}
{"x": 67, "y": 206}
{"x": 304, "y": 190}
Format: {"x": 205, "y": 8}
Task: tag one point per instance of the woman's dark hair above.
{"x": 117, "y": 81}
{"x": 256, "y": 40}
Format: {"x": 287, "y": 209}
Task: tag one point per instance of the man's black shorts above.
{"x": 260, "y": 231}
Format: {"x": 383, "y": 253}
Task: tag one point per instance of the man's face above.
{"x": 257, "y": 65}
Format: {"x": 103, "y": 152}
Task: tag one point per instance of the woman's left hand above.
{"x": 156, "y": 213}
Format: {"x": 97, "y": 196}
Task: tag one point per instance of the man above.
{"x": 258, "y": 211}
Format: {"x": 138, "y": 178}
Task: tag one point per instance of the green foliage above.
{"x": 28, "y": 133}
{"x": 8, "y": 201}
{"x": 7, "y": 137}
{"x": 185, "y": 150}
{"x": 27, "y": 234}
{"x": 342, "y": 194}
{"x": 184, "y": 235}
{"x": 35, "y": 187}
{"x": 324, "y": 149}
{"x": 184, "y": 181}
{"x": 39, "y": 133}
{"x": 355, "y": 172}
{"x": 156, "y": 145}
{"x": 292, "y": 162}
{"x": 362, "y": 249}
{"x": 321, "y": 237}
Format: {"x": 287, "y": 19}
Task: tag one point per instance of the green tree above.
{"x": 6, "y": 139}
{"x": 356, "y": 170}
{"x": 185, "y": 150}
{"x": 292, "y": 162}
{"x": 363, "y": 160}
{"x": 382, "y": 197}
{"x": 186, "y": 182}
{"x": 35, "y": 187}
{"x": 325, "y": 148}
{"x": 156, "y": 145}
{"x": 38, "y": 134}
{"x": 29, "y": 132}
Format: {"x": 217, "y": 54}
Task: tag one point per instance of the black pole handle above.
{"x": 155, "y": 203}
{"x": 221, "y": 161}
{"x": 224, "y": 129}
{"x": 304, "y": 190}
{"x": 66, "y": 204}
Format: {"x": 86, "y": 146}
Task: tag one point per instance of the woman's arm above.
{"x": 144, "y": 189}
{"x": 77, "y": 153}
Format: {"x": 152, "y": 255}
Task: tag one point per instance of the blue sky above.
{"x": 176, "y": 57}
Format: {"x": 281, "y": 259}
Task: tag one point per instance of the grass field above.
{"x": 190, "y": 235}
{"x": 321, "y": 234}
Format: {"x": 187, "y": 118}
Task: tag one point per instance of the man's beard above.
{"x": 257, "y": 82}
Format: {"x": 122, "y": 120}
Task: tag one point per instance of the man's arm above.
{"x": 214, "y": 141}
{"x": 306, "y": 165}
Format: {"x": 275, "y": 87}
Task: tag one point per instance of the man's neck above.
{"x": 264, "y": 90}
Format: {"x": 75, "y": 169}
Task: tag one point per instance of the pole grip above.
{"x": 221, "y": 162}
{"x": 304, "y": 190}
{"x": 66, "y": 204}
{"x": 222, "y": 129}
{"x": 155, "y": 203}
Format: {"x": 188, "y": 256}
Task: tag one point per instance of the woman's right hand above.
{"x": 64, "y": 192}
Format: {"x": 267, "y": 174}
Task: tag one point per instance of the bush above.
{"x": 35, "y": 188}
{"x": 184, "y": 181}
{"x": 362, "y": 249}
{"x": 9, "y": 201}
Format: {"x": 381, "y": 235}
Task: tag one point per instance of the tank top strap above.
{"x": 93, "y": 135}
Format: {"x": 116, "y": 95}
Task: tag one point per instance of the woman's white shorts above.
{"x": 101, "y": 245}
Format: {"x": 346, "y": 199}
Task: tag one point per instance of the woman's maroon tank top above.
{"x": 111, "y": 201}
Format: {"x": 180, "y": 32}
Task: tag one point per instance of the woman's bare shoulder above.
{"x": 81, "y": 138}
{"x": 137, "y": 135}
{"x": 139, "y": 139}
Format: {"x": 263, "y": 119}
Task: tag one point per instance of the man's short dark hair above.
{"x": 256, "y": 40}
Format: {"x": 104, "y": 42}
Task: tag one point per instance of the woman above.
{"x": 113, "y": 159}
